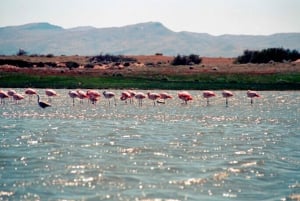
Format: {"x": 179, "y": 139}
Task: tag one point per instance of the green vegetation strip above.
{"x": 193, "y": 82}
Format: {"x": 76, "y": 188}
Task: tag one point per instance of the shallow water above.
{"x": 164, "y": 152}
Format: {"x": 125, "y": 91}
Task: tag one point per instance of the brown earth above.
{"x": 148, "y": 65}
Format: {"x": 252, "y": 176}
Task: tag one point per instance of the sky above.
{"x": 216, "y": 17}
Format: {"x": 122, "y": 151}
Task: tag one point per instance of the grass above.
{"x": 288, "y": 81}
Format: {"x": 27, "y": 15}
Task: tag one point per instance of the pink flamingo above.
{"x": 185, "y": 96}
{"x": 11, "y": 92}
{"x": 153, "y": 96}
{"x": 163, "y": 97}
{"x": 17, "y": 97}
{"x": 81, "y": 95}
{"x": 140, "y": 96}
{"x": 227, "y": 94}
{"x": 252, "y": 94}
{"x": 50, "y": 93}
{"x": 108, "y": 95}
{"x": 125, "y": 95}
{"x": 3, "y": 95}
{"x": 73, "y": 95}
{"x": 93, "y": 96}
{"x": 208, "y": 95}
{"x": 30, "y": 92}
{"x": 132, "y": 95}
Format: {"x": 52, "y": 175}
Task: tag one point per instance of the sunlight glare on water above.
{"x": 165, "y": 152}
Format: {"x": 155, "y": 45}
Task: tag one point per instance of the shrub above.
{"x": 72, "y": 64}
{"x": 186, "y": 60}
{"x": 107, "y": 58}
{"x": 267, "y": 55}
{"x": 49, "y": 55}
{"x": 88, "y": 66}
{"x": 21, "y": 52}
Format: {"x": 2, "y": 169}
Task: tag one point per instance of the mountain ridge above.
{"x": 136, "y": 39}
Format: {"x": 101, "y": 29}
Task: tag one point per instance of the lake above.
{"x": 169, "y": 151}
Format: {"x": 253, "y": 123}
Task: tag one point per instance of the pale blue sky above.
{"x": 203, "y": 16}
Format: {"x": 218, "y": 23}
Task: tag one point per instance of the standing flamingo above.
{"x": 208, "y": 95}
{"x": 81, "y": 95}
{"x": 11, "y": 92}
{"x": 140, "y": 96}
{"x": 17, "y": 97}
{"x": 153, "y": 96}
{"x": 252, "y": 94}
{"x": 125, "y": 95}
{"x": 164, "y": 96}
{"x": 185, "y": 96}
{"x": 93, "y": 96}
{"x": 42, "y": 104}
{"x": 227, "y": 94}
{"x": 108, "y": 95}
{"x": 73, "y": 95}
{"x": 132, "y": 95}
{"x": 50, "y": 93}
{"x": 30, "y": 92}
{"x": 3, "y": 95}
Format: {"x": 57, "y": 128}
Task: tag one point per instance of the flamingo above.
{"x": 81, "y": 95}
{"x": 50, "y": 93}
{"x": 125, "y": 95}
{"x": 207, "y": 95}
{"x": 252, "y": 94}
{"x": 3, "y": 95}
{"x": 108, "y": 95}
{"x": 30, "y": 92}
{"x": 17, "y": 97}
{"x": 227, "y": 94}
{"x": 11, "y": 92}
{"x": 93, "y": 96}
{"x": 42, "y": 104}
{"x": 140, "y": 96}
{"x": 185, "y": 96}
{"x": 132, "y": 95}
{"x": 153, "y": 96}
{"x": 73, "y": 95}
{"x": 164, "y": 96}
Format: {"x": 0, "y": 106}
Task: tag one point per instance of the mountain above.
{"x": 144, "y": 38}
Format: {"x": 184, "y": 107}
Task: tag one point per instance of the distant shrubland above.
{"x": 108, "y": 58}
{"x": 268, "y": 55}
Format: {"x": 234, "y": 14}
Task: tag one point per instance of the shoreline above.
{"x": 155, "y": 73}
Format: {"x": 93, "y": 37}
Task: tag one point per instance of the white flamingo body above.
{"x": 73, "y": 95}
{"x": 140, "y": 96}
{"x": 108, "y": 95}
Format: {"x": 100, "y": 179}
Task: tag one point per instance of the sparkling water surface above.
{"x": 165, "y": 152}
